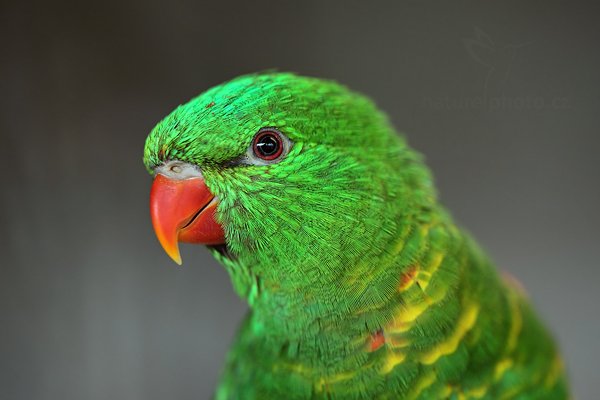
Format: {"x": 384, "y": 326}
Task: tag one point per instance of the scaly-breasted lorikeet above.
{"x": 359, "y": 283}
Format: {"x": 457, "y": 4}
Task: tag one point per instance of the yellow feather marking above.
{"x": 402, "y": 240}
{"x": 323, "y": 382}
{"x": 298, "y": 368}
{"x": 446, "y": 392}
{"x": 465, "y": 323}
{"x": 516, "y": 323}
{"x": 397, "y": 342}
{"x": 423, "y": 278}
{"x": 477, "y": 393}
{"x": 431, "y": 270}
{"x": 398, "y": 327}
{"x": 405, "y": 286}
{"x": 391, "y": 360}
{"x": 501, "y": 367}
{"x": 555, "y": 371}
{"x": 412, "y": 312}
{"x": 424, "y": 383}
{"x": 511, "y": 392}
{"x": 408, "y": 278}
{"x": 326, "y": 381}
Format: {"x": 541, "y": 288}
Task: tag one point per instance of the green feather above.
{"x": 360, "y": 284}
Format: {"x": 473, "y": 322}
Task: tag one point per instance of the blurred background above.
{"x": 502, "y": 98}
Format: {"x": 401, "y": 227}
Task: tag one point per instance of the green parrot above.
{"x": 359, "y": 283}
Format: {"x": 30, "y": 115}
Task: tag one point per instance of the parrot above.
{"x": 359, "y": 283}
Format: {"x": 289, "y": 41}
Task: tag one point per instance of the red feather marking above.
{"x": 376, "y": 340}
{"x": 408, "y": 277}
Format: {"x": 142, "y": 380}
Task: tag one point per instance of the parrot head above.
{"x": 290, "y": 181}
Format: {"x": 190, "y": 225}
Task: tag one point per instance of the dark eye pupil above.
{"x": 267, "y": 145}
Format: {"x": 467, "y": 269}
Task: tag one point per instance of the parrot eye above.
{"x": 267, "y": 144}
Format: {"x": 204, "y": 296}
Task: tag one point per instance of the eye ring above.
{"x": 267, "y": 144}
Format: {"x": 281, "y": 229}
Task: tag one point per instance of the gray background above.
{"x": 501, "y": 98}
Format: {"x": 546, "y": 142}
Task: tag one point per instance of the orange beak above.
{"x": 183, "y": 211}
